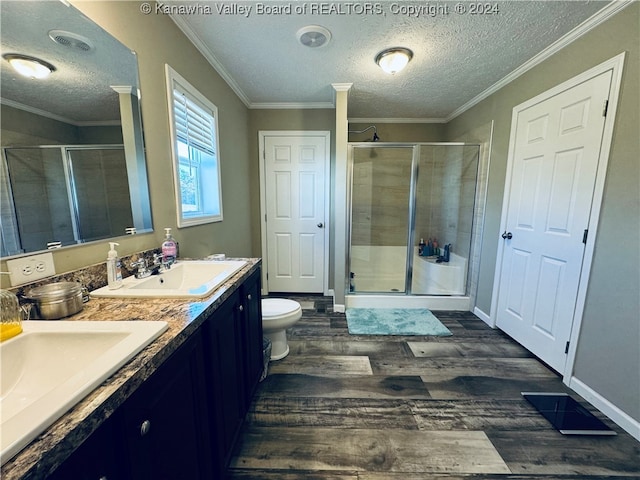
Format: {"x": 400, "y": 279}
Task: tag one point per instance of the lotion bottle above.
{"x": 169, "y": 247}
{"x": 114, "y": 273}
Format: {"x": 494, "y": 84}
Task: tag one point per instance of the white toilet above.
{"x": 278, "y": 314}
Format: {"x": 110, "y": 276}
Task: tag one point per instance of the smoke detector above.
{"x": 71, "y": 40}
{"x": 313, "y": 36}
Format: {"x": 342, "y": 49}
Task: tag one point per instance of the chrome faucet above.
{"x": 142, "y": 270}
{"x": 162, "y": 263}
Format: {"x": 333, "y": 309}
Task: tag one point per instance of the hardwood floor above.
{"x": 344, "y": 407}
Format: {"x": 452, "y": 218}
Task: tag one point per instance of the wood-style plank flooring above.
{"x": 344, "y": 407}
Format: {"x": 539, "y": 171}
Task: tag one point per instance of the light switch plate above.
{"x": 31, "y": 268}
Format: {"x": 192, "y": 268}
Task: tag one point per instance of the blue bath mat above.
{"x": 394, "y": 321}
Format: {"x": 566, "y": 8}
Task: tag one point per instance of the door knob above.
{"x": 507, "y": 235}
{"x": 320, "y": 225}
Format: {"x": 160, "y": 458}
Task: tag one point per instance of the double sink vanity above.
{"x": 151, "y": 380}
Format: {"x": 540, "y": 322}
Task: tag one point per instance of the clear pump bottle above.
{"x": 114, "y": 272}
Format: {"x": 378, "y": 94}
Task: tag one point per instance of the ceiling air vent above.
{"x": 71, "y": 40}
{"x": 313, "y": 36}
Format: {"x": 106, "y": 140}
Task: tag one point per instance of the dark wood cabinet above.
{"x": 183, "y": 421}
{"x": 252, "y": 335}
{"x": 99, "y": 457}
{"x": 234, "y": 351}
{"x": 222, "y": 334}
{"x": 163, "y": 420}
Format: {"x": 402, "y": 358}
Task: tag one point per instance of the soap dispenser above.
{"x": 114, "y": 272}
{"x": 169, "y": 248}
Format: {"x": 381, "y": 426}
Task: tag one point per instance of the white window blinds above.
{"x": 194, "y": 124}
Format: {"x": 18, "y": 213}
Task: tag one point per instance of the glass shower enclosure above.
{"x": 411, "y": 217}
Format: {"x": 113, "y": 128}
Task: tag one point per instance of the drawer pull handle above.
{"x": 145, "y": 427}
{"x": 241, "y": 308}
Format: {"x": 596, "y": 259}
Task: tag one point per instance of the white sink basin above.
{"x": 186, "y": 279}
{"x": 51, "y": 366}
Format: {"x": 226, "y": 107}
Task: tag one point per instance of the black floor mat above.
{"x": 566, "y": 414}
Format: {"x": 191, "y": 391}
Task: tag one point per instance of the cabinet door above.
{"x": 98, "y": 457}
{"x": 252, "y": 333}
{"x": 225, "y": 373}
{"x": 166, "y": 420}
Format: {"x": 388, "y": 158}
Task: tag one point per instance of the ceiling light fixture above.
{"x": 392, "y": 60}
{"x": 27, "y": 66}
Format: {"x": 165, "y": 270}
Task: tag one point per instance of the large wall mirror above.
{"x": 73, "y": 166}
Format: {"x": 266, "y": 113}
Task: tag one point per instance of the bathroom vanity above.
{"x": 176, "y": 409}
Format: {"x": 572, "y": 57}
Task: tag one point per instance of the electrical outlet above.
{"x": 32, "y": 268}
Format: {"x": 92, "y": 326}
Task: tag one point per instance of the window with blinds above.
{"x": 196, "y": 159}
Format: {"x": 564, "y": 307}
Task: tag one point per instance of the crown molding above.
{"x": 589, "y": 24}
{"x": 291, "y": 105}
{"x": 397, "y": 120}
{"x": 57, "y": 118}
{"x": 210, "y": 57}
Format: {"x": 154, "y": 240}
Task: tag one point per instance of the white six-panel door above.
{"x": 294, "y": 171}
{"x": 553, "y": 172}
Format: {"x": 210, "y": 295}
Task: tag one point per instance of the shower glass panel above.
{"x": 444, "y": 212}
{"x": 380, "y": 205}
{"x": 402, "y": 194}
{"x": 62, "y": 195}
{"x": 39, "y": 187}
{"x": 100, "y": 191}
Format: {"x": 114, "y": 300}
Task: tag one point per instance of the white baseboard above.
{"x": 483, "y": 316}
{"x": 620, "y": 418}
{"x": 338, "y": 308}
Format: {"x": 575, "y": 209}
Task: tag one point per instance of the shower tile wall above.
{"x": 381, "y": 179}
{"x": 445, "y": 196}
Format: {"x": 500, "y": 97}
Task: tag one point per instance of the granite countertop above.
{"x": 183, "y": 316}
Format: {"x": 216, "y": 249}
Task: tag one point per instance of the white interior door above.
{"x": 554, "y": 159}
{"x": 294, "y": 171}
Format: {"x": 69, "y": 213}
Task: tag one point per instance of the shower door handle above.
{"x": 320, "y": 225}
{"x": 507, "y": 235}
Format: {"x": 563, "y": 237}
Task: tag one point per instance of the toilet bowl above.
{"x": 278, "y": 314}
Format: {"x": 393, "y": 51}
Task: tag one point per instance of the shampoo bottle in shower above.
{"x": 421, "y": 248}
{"x": 429, "y": 248}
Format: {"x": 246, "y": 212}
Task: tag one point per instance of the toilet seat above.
{"x": 279, "y": 308}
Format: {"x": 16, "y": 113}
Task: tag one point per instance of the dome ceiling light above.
{"x": 27, "y": 66}
{"x": 392, "y": 60}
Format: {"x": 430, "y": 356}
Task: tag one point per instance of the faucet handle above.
{"x": 139, "y": 263}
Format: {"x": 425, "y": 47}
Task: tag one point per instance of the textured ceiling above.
{"x": 79, "y": 91}
{"x": 456, "y": 55}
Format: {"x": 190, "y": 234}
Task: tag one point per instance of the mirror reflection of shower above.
{"x": 412, "y": 211}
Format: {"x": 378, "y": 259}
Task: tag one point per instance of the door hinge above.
{"x": 585, "y": 235}
{"x": 566, "y": 348}
{"x": 605, "y": 108}
{"x": 265, "y": 217}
